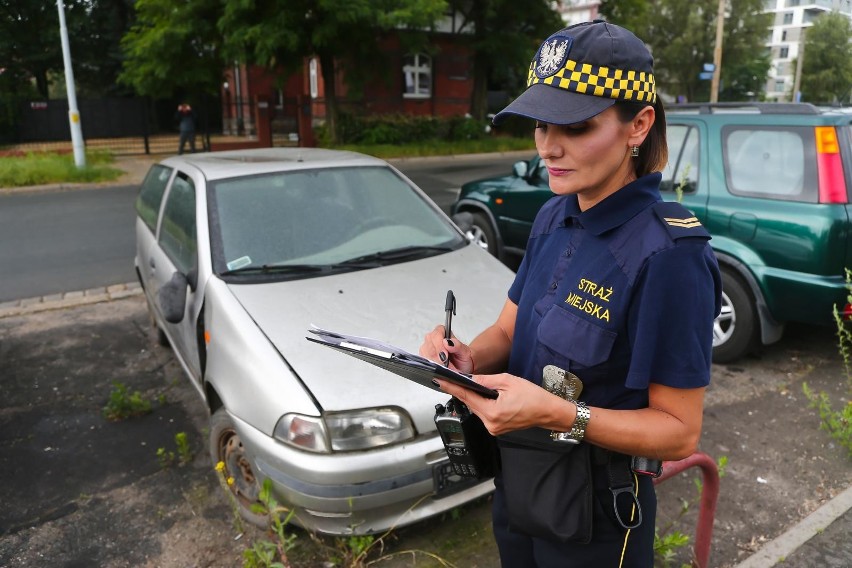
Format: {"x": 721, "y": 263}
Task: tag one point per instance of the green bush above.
{"x": 404, "y": 129}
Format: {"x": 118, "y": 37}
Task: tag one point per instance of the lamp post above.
{"x": 717, "y": 53}
{"x": 73, "y": 113}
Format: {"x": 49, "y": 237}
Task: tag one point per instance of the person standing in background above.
{"x": 186, "y": 119}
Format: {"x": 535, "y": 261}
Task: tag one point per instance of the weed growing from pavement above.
{"x": 184, "y": 453}
{"x": 355, "y": 551}
{"x": 123, "y": 404}
{"x": 667, "y": 542}
{"x": 838, "y": 423}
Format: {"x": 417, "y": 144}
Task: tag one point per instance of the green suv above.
{"x": 771, "y": 183}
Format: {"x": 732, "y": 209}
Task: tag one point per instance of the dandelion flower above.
{"x": 230, "y": 481}
{"x": 220, "y": 467}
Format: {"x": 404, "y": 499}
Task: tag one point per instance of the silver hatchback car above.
{"x": 240, "y": 253}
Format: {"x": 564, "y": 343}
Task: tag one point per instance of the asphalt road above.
{"x": 60, "y": 241}
{"x": 52, "y": 242}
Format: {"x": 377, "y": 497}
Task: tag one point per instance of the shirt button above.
{"x": 553, "y": 286}
{"x": 568, "y": 252}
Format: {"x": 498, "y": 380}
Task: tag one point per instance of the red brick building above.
{"x": 435, "y": 84}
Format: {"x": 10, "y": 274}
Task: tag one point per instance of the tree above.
{"x": 29, "y": 41}
{"x": 174, "y": 48}
{"x": 30, "y": 45}
{"x": 681, "y": 36}
{"x": 505, "y": 35}
{"x": 827, "y": 62}
{"x": 281, "y": 33}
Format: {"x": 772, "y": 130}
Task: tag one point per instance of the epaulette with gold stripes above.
{"x": 679, "y": 221}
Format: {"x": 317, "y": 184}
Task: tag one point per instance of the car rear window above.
{"x": 771, "y": 162}
{"x": 151, "y": 194}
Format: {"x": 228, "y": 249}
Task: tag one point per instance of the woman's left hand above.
{"x": 520, "y": 404}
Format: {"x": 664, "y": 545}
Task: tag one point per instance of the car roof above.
{"x": 233, "y": 163}
{"x": 761, "y": 112}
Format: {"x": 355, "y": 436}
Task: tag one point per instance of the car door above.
{"x": 148, "y": 205}
{"x": 177, "y": 251}
{"x": 521, "y": 204}
{"x": 685, "y": 177}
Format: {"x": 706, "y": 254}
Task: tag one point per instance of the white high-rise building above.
{"x": 791, "y": 20}
{"x": 577, "y": 11}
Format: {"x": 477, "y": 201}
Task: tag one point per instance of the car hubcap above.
{"x": 476, "y": 236}
{"x": 725, "y": 323}
{"x": 237, "y": 465}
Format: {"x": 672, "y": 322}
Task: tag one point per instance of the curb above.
{"x": 69, "y": 299}
{"x": 777, "y": 550}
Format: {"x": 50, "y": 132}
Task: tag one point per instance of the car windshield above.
{"x": 306, "y": 223}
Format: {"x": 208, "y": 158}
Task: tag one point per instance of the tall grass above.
{"x": 37, "y": 168}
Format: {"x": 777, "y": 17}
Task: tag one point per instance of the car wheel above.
{"x": 482, "y": 234}
{"x": 226, "y": 447}
{"x": 734, "y": 330}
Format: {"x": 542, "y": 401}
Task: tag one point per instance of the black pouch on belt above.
{"x": 547, "y": 486}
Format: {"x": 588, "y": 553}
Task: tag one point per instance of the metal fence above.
{"x": 144, "y": 126}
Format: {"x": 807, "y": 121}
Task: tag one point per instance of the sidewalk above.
{"x": 820, "y": 540}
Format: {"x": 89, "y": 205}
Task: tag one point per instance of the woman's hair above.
{"x": 654, "y": 151}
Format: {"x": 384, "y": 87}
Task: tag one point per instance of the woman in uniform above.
{"x": 602, "y": 351}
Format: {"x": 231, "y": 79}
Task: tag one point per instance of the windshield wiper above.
{"x": 277, "y": 269}
{"x": 396, "y": 254}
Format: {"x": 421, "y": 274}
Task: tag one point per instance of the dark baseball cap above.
{"x": 580, "y": 71}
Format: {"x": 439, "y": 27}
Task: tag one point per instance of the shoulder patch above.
{"x": 678, "y": 221}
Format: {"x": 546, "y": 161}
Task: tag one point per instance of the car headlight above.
{"x": 345, "y": 431}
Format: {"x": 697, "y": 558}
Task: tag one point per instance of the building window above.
{"x": 788, "y": 18}
{"x": 417, "y": 72}
{"x": 784, "y": 35}
{"x": 779, "y": 85}
{"x": 784, "y": 52}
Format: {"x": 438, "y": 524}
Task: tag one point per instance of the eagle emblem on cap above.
{"x": 552, "y": 56}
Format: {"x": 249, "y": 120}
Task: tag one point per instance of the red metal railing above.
{"x": 709, "y": 496}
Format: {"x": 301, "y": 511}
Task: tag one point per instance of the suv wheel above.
{"x": 482, "y": 234}
{"x": 734, "y": 328}
{"x": 226, "y": 447}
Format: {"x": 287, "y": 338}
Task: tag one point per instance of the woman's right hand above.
{"x": 436, "y": 348}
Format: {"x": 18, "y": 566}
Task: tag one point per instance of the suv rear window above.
{"x": 771, "y": 162}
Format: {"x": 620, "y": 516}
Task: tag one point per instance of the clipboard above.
{"x": 396, "y": 360}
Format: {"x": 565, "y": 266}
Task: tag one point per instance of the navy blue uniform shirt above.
{"x": 622, "y": 295}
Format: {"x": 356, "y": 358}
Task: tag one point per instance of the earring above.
{"x": 634, "y": 152}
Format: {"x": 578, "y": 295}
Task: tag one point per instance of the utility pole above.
{"x": 73, "y": 113}
{"x": 717, "y": 53}
{"x": 797, "y": 81}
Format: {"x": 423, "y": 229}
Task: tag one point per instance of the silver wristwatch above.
{"x": 578, "y": 430}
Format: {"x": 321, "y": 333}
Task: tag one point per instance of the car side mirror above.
{"x": 463, "y": 220}
{"x": 172, "y": 298}
{"x": 521, "y": 169}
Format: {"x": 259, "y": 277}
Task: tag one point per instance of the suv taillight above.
{"x": 832, "y": 183}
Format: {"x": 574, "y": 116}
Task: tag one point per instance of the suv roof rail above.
{"x": 762, "y": 108}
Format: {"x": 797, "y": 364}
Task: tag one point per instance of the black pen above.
{"x": 450, "y": 309}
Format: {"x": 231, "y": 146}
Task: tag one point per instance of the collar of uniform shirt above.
{"x": 618, "y": 208}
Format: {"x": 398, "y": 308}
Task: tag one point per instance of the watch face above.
{"x": 562, "y": 383}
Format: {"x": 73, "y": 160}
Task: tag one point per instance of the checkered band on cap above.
{"x": 599, "y": 81}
